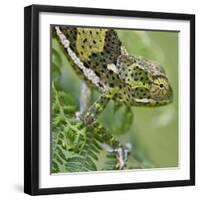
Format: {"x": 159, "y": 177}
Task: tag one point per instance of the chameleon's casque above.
{"x": 97, "y": 56}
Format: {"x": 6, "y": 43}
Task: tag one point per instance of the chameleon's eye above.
{"x": 160, "y": 89}
{"x": 161, "y": 85}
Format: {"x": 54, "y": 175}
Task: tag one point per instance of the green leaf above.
{"x": 74, "y": 147}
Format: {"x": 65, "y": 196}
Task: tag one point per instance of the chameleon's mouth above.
{"x": 152, "y": 102}
{"x": 156, "y": 100}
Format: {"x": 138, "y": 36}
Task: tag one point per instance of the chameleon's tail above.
{"x": 113, "y": 144}
{"x": 104, "y": 136}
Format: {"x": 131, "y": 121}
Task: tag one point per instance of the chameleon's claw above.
{"x": 121, "y": 154}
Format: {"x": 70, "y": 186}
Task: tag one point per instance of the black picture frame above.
{"x": 31, "y": 98}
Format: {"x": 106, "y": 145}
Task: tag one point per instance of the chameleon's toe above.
{"x": 121, "y": 154}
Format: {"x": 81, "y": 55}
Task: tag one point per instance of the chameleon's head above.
{"x": 145, "y": 81}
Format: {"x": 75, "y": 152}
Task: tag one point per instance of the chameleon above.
{"x": 99, "y": 58}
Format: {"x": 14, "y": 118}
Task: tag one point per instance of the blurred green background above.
{"x": 154, "y": 131}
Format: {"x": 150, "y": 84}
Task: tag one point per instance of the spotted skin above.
{"x": 101, "y": 60}
{"x": 96, "y": 48}
{"x": 87, "y": 44}
{"x": 145, "y": 82}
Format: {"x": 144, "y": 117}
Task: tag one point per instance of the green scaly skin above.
{"x": 101, "y": 60}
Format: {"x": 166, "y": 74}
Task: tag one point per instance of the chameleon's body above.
{"x": 98, "y": 57}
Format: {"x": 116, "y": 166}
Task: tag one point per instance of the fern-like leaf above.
{"x": 74, "y": 147}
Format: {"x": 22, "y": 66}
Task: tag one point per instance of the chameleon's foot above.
{"x": 121, "y": 154}
{"x": 89, "y": 119}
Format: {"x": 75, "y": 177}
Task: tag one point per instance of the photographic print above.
{"x": 114, "y": 99}
{"x": 109, "y": 99}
